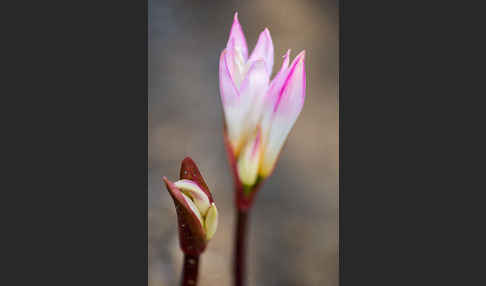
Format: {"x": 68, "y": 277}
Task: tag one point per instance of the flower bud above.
{"x": 197, "y": 215}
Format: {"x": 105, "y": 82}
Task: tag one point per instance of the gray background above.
{"x": 293, "y": 238}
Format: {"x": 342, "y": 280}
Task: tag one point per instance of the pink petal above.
{"x": 237, "y": 38}
{"x": 276, "y": 85}
{"x": 286, "y": 110}
{"x": 281, "y": 76}
{"x": 294, "y": 87}
{"x": 226, "y": 85}
{"x": 264, "y": 50}
{"x": 272, "y": 96}
{"x": 252, "y": 96}
{"x": 230, "y": 99}
{"x": 237, "y": 66}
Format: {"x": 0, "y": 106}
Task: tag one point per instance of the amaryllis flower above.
{"x": 197, "y": 215}
{"x": 259, "y": 112}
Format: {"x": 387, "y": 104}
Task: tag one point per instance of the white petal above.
{"x": 197, "y": 195}
{"x": 237, "y": 65}
{"x": 211, "y": 223}
{"x": 286, "y": 111}
{"x": 264, "y": 50}
{"x": 272, "y": 96}
{"x": 279, "y": 79}
{"x": 194, "y": 209}
{"x": 252, "y": 96}
{"x": 230, "y": 99}
{"x": 237, "y": 38}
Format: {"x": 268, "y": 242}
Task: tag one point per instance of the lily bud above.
{"x": 197, "y": 215}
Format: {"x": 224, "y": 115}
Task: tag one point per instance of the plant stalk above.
{"x": 240, "y": 247}
{"x": 189, "y": 272}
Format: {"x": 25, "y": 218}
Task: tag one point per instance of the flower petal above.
{"x": 198, "y": 196}
{"x": 237, "y": 38}
{"x": 211, "y": 222}
{"x": 285, "y": 112}
{"x": 279, "y": 80}
{"x": 264, "y": 50}
{"x": 236, "y": 65}
{"x": 230, "y": 98}
{"x": 184, "y": 207}
{"x": 249, "y": 160}
{"x": 272, "y": 96}
{"x": 252, "y": 96}
{"x": 228, "y": 90}
{"x": 193, "y": 208}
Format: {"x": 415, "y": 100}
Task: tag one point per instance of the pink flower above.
{"x": 259, "y": 112}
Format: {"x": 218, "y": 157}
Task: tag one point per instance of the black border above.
{"x": 402, "y": 189}
{"x": 82, "y": 145}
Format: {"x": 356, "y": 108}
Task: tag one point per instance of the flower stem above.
{"x": 189, "y": 272}
{"x": 240, "y": 247}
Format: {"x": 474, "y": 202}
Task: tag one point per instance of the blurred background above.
{"x": 293, "y": 227}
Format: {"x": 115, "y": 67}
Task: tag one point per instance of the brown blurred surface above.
{"x": 293, "y": 238}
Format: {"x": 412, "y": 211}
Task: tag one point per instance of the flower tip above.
{"x": 301, "y": 56}
{"x": 236, "y": 20}
{"x": 166, "y": 181}
{"x": 237, "y": 38}
{"x": 190, "y": 171}
{"x": 266, "y": 32}
{"x": 297, "y": 67}
{"x": 188, "y": 160}
{"x": 173, "y": 190}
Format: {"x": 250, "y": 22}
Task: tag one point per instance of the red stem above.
{"x": 189, "y": 272}
{"x": 240, "y": 248}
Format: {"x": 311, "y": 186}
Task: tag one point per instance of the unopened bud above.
{"x": 197, "y": 215}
